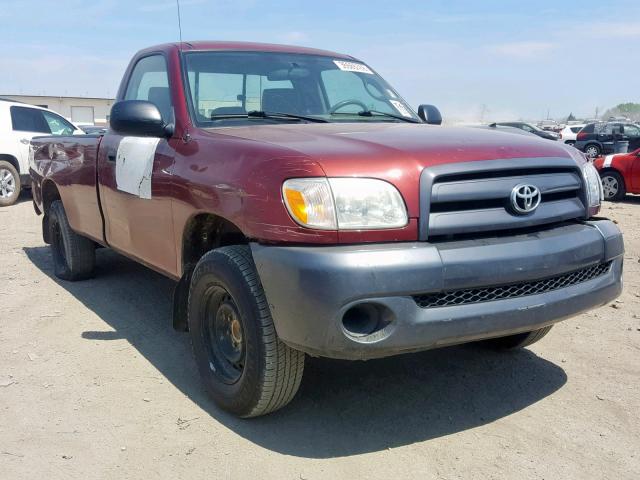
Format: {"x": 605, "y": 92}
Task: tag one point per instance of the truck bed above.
{"x": 68, "y": 165}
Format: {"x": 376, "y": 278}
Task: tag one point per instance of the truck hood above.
{"x": 359, "y": 149}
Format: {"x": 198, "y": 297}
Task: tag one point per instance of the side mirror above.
{"x": 138, "y": 118}
{"x": 430, "y": 114}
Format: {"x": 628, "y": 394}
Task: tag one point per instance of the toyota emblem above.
{"x": 525, "y": 198}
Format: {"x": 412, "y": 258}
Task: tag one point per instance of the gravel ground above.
{"x": 94, "y": 384}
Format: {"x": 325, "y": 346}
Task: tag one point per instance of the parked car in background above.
{"x": 93, "y": 129}
{"x": 502, "y": 128}
{"x": 527, "y": 127}
{"x": 19, "y": 122}
{"x": 597, "y": 139}
{"x": 620, "y": 174}
{"x": 550, "y": 126}
{"x": 569, "y": 133}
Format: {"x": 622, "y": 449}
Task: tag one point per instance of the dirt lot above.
{"x": 94, "y": 384}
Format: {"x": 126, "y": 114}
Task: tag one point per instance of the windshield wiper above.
{"x": 263, "y": 114}
{"x": 371, "y": 113}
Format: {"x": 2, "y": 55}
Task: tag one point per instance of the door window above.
{"x": 150, "y": 81}
{"x": 25, "y": 119}
{"x": 57, "y": 124}
{"x": 631, "y": 131}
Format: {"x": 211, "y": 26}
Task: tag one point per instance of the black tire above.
{"x": 520, "y": 340}
{"x": 593, "y": 150}
{"x": 10, "y": 185}
{"x": 74, "y": 256}
{"x": 613, "y": 186}
{"x": 245, "y": 367}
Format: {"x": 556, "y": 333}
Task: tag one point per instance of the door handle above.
{"x": 111, "y": 157}
{"x": 24, "y": 141}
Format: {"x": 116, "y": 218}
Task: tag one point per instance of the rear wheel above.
{"x": 593, "y": 150}
{"x": 613, "y": 186}
{"x": 74, "y": 256}
{"x": 519, "y": 340}
{"x": 9, "y": 184}
{"x": 245, "y": 367}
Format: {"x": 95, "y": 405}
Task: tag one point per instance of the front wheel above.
{"x": 9, "y": 184}
{"x": 520, "y": 340}
{"x": 245, "y": 367}
{"x": 613, "y": 186}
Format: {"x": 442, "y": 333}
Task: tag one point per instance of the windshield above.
{"x": 225, "y": 86}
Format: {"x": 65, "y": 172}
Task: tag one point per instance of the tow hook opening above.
{"x": 366, "y": 319}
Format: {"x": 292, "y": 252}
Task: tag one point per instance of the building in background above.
{"x": 79, "y": 110}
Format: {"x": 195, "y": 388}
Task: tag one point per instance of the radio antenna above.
{"x": 179, "y": 23}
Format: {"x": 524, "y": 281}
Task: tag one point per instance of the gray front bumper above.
{"x": 310, "y": 288}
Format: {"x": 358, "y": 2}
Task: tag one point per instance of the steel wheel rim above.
{"x": 610, "y": 186}
{"x": 7, "y": 183}
{"x": 223, "y": 328}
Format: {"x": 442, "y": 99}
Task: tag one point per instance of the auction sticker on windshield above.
{"x": 401, "y": 107}
{"x": 352, "y": 67}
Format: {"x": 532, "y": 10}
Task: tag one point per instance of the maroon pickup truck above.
{"x": 303, "y": 207}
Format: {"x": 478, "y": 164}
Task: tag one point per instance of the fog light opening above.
{"x": 365, "y": 319}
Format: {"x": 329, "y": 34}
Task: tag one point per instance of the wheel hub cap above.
{"x": 7, "y": 183}
{"x": 609, "y": 186}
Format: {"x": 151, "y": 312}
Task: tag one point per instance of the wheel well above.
{"x": 49, "y": 195}
{"x": 12, "y": 160}
{"x": 205, "y": 232}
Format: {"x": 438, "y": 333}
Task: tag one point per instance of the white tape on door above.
{"x": 134, "y": 164}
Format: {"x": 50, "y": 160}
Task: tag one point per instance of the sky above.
{"x": 482, "y": 60}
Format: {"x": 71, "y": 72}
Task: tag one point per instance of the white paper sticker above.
{"x": 352, "y": 67}
{"x": 134, "y": 164}
{"x": 401, "y": 107}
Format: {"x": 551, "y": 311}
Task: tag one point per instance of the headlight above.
{"x": 310, "y": 203}
{"x": 593, "y": 185}
{"x": 344, "y": 203}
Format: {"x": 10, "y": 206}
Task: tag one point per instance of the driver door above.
{"x": 139, "y": 221}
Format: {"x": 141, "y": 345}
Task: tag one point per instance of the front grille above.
{"x": 488, "y": 294}
{"x": 474, "y": 197}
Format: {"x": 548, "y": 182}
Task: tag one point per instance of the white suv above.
{"x": 569, "y": 133}
{"x": 20, "y": 122}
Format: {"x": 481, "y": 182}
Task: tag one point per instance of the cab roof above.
{"x": 242, "y": 46}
